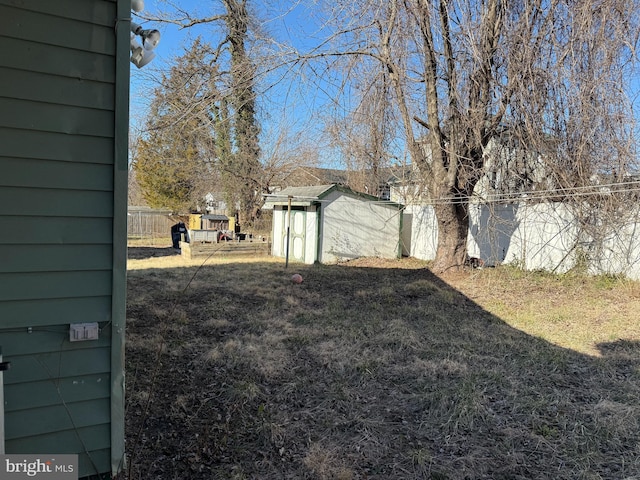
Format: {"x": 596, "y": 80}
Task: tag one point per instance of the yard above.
{"x": 378, "y": 370}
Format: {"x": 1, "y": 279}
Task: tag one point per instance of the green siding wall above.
{"x": 63, "y": 127}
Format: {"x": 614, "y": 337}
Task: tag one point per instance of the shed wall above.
{"x": 352, "y": 228}
{"x": 63, "y": 171}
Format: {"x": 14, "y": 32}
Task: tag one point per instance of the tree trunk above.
{"x": 453, "y": 229}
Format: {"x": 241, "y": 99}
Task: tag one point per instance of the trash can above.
{"x": 177, "y": 232}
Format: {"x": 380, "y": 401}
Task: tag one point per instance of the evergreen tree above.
{"x": 219, "y": 86}
{"x": 176, "y": 162}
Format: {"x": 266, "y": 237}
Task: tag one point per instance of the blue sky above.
{"x": 291, "y": 104}
{"x": 284, "y": 26}
{"x": 283, "y": 106}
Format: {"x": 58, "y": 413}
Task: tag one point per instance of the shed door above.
{"x": 297, "y": 235}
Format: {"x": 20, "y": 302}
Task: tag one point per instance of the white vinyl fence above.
{"x": 541, "y": 236}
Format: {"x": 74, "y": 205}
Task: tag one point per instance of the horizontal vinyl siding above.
{"x": 72, "y": 33}
{"x": 48, "y": 311}
{"x": 35, "y": 285}
{"x": 49, "y": 59}
{"x": 53, "y": 338}
{"x": 37, "y": 230}
{"x": 29, "y": 144}
{"x": 57, "y": 150}
{"x": 57, "y": 418}
{"x": 55, "y": 202}
{"x": 31, "y": 173}
{"x": 70, "y": 441}
{"x": 99, "y": 13}
{"x": 88, "y": 443}
{"x": 57, "y": 392}
{"x": 47, "y": 393}
{"x": 47, "y": 88}
{"x": 48, "y": 117}
{"x": 55, "y": 258}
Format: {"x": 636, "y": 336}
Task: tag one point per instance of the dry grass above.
{"x": 571, "y": 311}
{"x": 379, "y": 370}
{"x": 153, "y": 241}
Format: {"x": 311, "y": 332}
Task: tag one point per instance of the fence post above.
{"x": 286, "y": 262}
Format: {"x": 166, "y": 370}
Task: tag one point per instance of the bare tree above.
{"x": 461, "y": 72}
{"x": 365, "y": 137}
{"x": 234, "y": 119}
{"x": 134, "y": 192}
{"x": 177, "y": 162}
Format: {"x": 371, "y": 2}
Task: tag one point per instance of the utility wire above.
{"x": 524, "y": 195}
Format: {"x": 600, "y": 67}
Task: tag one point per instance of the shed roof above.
{"x": 306, "y": 196}
{"x": 217, "y": 218}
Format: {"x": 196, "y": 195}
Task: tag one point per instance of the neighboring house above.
{"x": 331, "y": 223}
{"x": 509, "y": 171}
{"x": 215, "y": 204}
{"x": 64, "y": 100}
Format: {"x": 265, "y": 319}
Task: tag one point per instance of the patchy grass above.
{"x": 379, "y": 370}
{"x": 573, "y": 311}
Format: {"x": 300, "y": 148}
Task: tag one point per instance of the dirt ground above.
{"x": 371, "y": 370}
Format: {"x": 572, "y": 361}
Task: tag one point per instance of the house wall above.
{"x": 63, "y": 157}
{"x": 352, "y": 228}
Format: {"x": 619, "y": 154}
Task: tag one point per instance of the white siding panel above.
{"x": 491, "y": 231}
{"x": 424, "y": 232}
{"x": 543, "y": 236}
{"x": 352, "y": 228}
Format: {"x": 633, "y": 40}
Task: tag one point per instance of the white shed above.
{"x": 331, "y": 223}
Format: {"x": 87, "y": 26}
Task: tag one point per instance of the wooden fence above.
{"x": 144, "y": 223}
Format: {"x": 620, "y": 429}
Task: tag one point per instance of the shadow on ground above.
{"x": 139, "y": 253}
{"x": 361, "y": 373}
